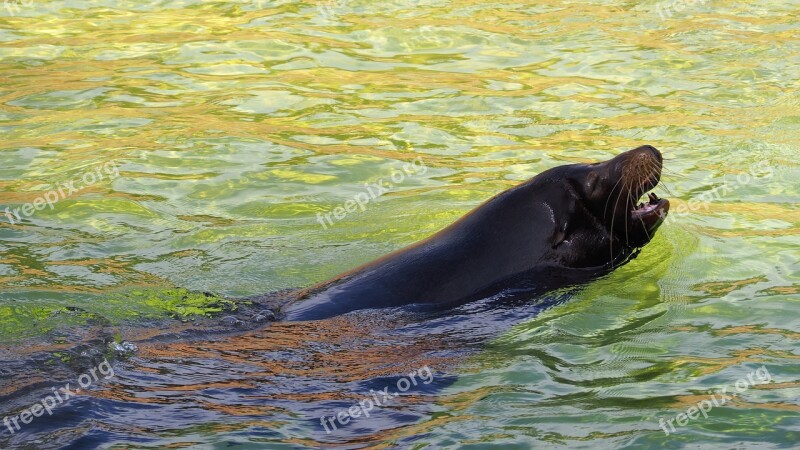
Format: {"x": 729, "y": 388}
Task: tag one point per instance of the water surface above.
{"x": 234, "y": 124}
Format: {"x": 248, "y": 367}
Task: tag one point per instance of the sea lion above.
{"x": 566, "y": 225}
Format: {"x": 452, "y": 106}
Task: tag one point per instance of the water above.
{"x": 220, "y": 130}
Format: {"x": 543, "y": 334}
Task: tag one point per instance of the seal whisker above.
{"x": 667, "y": 190}
{"x": 644, "y": 226}
{"x": 613, "y": 216}
{"x": 611, "y": 194}
{"x": 672, "y": 173}
{"x": 661, "y": 183}
{"x": 627, "y": 241}
{"x": 619, "y": 196}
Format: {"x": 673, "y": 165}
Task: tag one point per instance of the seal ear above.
{"x": 560, "y": 235}
{"x": 564, "y": 223}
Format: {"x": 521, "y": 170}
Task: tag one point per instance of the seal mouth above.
{"x": 639, "y": 212}
{"x": 654, "y": 207}
{"x": 653, "y": 210}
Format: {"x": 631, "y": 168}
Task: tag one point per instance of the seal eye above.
{"x": 591, "y": 183}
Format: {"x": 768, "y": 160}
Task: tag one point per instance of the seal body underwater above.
{"x": 565, "y": 226}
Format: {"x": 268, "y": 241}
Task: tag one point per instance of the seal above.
{"x": 565, "y": 226}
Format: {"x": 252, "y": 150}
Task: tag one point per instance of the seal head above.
{"x": 602, "y": 219}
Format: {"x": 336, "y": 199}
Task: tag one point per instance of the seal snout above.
{"x": 654, "y": 151}
{"x": 645, "y": 160}
{"x": 643, "y": 169}
{"x": 637, "y": 212}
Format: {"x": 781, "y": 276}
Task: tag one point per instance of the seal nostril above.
{"x": 643, "y": 157}
{"x": 654, "y": 151}
{"x": 646, "y": 152}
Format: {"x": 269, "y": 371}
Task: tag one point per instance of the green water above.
{"x": 234, "y": 124}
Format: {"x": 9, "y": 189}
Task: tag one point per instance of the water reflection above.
{"x": 274, "y": 383}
